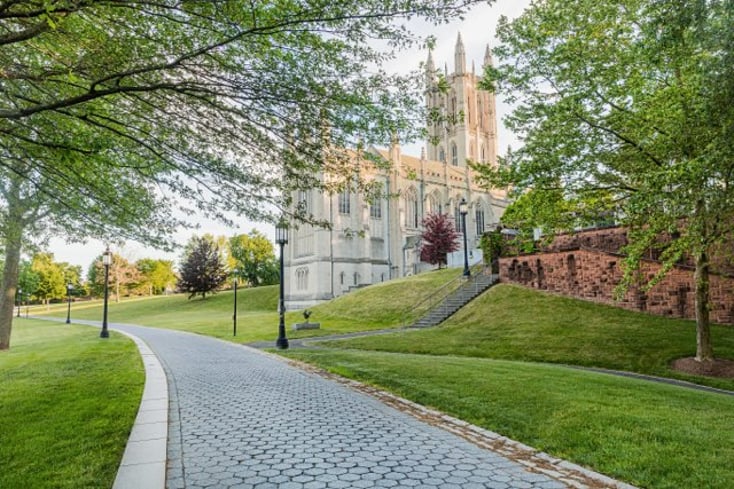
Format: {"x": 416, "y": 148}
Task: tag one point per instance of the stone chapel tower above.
{"x": 372, "y": 241}
{"x": 470, "y": 126}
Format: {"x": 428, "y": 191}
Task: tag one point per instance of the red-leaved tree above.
{"x": 438, "y": 239}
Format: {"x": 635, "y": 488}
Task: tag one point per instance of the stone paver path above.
{"x": 241, "y": 419}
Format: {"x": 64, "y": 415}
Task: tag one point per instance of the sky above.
{"x": 477, "y": 30}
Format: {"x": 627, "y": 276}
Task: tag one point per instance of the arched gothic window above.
{"x": 376, "y": 209}
{"x": 411, "y": 209}
{"x": 480, "y": 111}
{"x": 344, "y": 202}
{"x": 457, "y": 217}
{"x": 441, "y": 154}
{"x": 433, "y": 205}
{"x": 302, "y": 278}
{"x": 304, "y": 200}
{"x": 479, "y": 218}
{"x": 454, "y": 155}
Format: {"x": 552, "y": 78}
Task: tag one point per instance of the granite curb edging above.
{"x": 143, "y": 464}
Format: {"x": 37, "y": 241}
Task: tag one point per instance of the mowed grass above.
{"x": 514, "y": 323}
{"x": 476, "y": 367}
{"x": 382, "y": 305}
{"x": 210, "y": 316}
{"x": 650, "y": 435}
{"x": 374, "y": 307}
{"x": 68, "y": 401}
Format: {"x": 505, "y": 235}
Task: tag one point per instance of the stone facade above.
{"x": 378, "y": 240}
{"x": 585, "y": 265}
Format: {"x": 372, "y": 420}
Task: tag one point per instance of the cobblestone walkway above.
{"x": 242, "y": 419}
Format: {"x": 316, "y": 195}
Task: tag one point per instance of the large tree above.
{"x": 156, "y": 275}
{"x": 203, "y": 267}
{"x": 439, "y": 238}
{"x": 254, "y": 258}
{"x": 625, "y": 108}
{"x": 28, "y": 280}
{"x": 51, "y": 283}
{"x": 112, "y": 112}
{"x": 123, "y": 276}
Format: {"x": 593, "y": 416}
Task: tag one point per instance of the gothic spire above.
{"x": 459, "y": 57}
{"x": 430, "y": 68}
{"x": 488, "y": 56}
{"x": 429, "y": 62}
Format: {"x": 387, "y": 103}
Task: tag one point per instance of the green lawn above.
{"x": 68, "y": 402}
{"x": 381, "y": 305}
{"x": 651, "y": 435}
{"x": 378, "y": 306}
{"x": 514, "y": 323}
{"x": 476, "y": 367}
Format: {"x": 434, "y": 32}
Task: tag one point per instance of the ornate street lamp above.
{"x": 106, "y": 261}
{"x": 463, "y": 209}
{"x": 69, "y": 288}
{"x": 19, "y": 301}
{"x": 281, "y": 237}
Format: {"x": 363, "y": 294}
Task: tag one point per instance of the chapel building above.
{"x": 379, "y": 240}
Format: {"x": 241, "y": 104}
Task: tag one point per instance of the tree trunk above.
{"x": 13, "y": 233}
{"x": 704, "y": 349}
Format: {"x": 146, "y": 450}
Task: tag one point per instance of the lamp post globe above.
{"x": 463, "y": 209}
{"x": 69, "y": 288}
{"x": 106, "y": 261}
{"x": 281, "y": 238}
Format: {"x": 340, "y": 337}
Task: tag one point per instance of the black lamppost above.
{"x": 234, "y": 316}
{"x": 69, "y": 287}
{"x": 106, "y": 261}
{"x": 463, "y": 209}
{"x": 19, "y": 300}
{"x": 281, "y": 237}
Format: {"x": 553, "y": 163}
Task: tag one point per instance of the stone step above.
{"x": 456, "y": 301}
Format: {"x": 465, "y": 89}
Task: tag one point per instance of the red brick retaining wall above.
{"x": 593, "y": 275}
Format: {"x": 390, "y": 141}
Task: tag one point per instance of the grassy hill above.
{"x": 508, "y": 322}
{"x": 515, "y": 323}
{"x": 374, "y": 307}
{"x": 496, "y": 364}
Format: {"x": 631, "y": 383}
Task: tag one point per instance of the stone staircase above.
{"x": 455, "y": 300}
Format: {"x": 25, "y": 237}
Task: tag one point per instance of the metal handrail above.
{"x": 430, "y": 299}
{"x": 437, "y": 297}
{"x": 472, "y": 286}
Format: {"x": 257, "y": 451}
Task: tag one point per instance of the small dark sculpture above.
{"x": 306, "y": 314}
